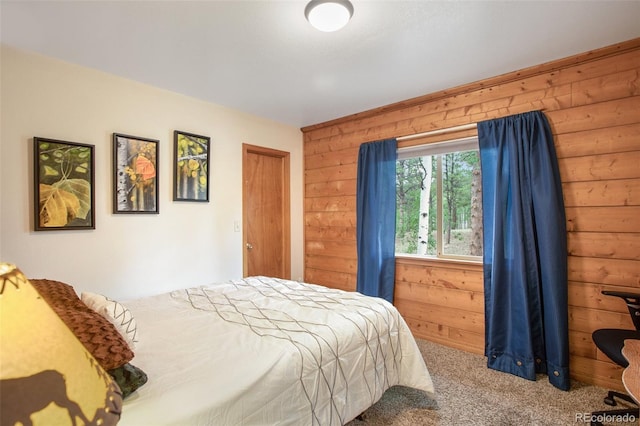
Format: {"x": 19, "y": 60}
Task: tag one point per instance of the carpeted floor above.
{"x": 468, "y": 393}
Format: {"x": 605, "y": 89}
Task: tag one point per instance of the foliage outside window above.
{"x": 439, "y": 200}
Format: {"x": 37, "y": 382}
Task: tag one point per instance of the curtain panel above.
{"x": 376, "y": 218}
{"x": 525, "y": 249}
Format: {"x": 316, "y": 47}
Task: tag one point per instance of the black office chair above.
{"x": 610, "y": 341}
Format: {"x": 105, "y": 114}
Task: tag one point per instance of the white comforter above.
{"x": 266, "y": 351}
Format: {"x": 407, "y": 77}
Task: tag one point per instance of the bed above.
{"x": 266, "y": 351}
{"x": 253, "y": 351}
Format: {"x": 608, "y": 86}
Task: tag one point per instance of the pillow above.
{"x": 129, "y": 378}
{"x": 116, "y": 313}
{"x": 97, "y": 334}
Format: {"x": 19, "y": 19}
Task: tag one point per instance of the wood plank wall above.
{"x": 592, "y": 101}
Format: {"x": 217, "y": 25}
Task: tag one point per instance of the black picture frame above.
{"x": 135, "y": 175}
{"x": 191, "y": 159}
{"x": 63, "y": 185}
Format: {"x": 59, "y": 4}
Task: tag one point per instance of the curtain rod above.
{"x": 438, "y": 132}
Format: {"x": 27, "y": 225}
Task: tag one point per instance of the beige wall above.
{"x": 128, "y": 255}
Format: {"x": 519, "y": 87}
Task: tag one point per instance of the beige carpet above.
{"x": 468, "y": 393}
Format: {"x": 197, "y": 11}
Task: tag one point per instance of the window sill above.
{"x": 436, "y": 261}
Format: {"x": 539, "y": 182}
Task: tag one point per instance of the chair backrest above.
{"x": 633, "y": 303}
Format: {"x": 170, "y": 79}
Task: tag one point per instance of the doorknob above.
{"x": 249, "y": 246}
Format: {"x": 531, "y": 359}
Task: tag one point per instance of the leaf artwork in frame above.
{"x": 63, "y": 185}
{"x": 135, "y": 174}
{"x": 191, "y": 167}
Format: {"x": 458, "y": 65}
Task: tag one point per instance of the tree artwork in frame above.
{"x": 63, "y": 185}
{"x": 191, "y": 167}
{"x": 135, "y": 174}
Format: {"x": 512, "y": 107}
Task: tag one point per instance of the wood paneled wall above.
{"x": 592, "y": 101}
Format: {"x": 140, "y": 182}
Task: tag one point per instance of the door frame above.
{"x": 286, "y": 201}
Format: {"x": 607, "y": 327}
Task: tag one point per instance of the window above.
{"x": 439, "y": 200}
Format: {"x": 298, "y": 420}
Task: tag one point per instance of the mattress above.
{"x": 267, "y": 351}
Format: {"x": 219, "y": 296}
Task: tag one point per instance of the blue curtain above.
{"x": 525, "y": 249}
{"x": 376, "y": 218}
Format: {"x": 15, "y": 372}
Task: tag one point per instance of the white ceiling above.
{"x": 262, "y": 57}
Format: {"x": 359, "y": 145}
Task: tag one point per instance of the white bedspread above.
{"x": 266, "y": 351}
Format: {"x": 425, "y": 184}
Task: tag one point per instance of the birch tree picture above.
{"x": 191, "y": 167}
{"x": 135, "y": 175}
{"x": 64, "y": 175}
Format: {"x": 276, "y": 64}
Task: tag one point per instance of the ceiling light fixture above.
{"x": 328, "y": 15}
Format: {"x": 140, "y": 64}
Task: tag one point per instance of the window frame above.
{"x": 469, "y": 143}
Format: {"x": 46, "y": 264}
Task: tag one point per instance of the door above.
{"x": 266, "y": 213}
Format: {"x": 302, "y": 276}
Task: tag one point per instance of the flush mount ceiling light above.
{"x": 328, "y": 15}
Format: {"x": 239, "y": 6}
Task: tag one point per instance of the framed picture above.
{"x": 135, "y": 174}
{"x": 190, "y": 167}
{"x": 63, "y": 185}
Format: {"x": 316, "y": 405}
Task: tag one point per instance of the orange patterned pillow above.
{"x": 95, "y": 332}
